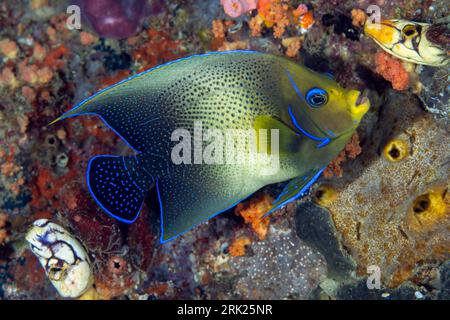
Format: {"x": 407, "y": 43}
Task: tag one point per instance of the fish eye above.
{"x": 410, "y": 31}
{"x": 316, "y": 97}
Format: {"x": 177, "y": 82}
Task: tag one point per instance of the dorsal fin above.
{"x": 137, "y": 108}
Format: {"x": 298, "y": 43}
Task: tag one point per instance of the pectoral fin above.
{"x": 289, "y": 140}
{"x": 295, "y": 189}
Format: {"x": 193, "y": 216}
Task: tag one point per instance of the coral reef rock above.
{"x": 395, "y": 214}
{"x": 315, "y": 227}
{"x": 282, "y": 266}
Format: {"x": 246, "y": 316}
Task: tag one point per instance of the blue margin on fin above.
{"x": 161, "y": 66}
{"x": 95, "y": 198}
{"x": 141, "y": 74}
{"x": 114, "y": 130}
{"x": 300, "y": 193}
{"x": 161, "y": 239}
{"x": 284, "y": 192}
{"x": 107, "y": 124}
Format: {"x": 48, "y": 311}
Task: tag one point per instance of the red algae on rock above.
{"x": 253, "y": 211}
{"x": 392, "y": 70}
{"x": 87, "y": 38}
{"x": 9, "y": 49}
{"x": 3, "y": 232}
{"x": 167, "y": 49}
{"x": 351, "y": 151}
{"x": 237, "y": 248}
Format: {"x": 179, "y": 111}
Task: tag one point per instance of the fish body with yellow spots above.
{"x": 416, "y": 42}
{"x": 241, "y": 90}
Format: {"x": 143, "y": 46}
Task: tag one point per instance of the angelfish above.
{"x": 313, "y": 115}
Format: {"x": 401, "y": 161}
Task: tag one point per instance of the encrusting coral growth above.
{"x": 3, "y": 232}
{"x": 237, "y": 248}
{"x": 395, "y": 214}
{"x": 396, "y": 150}
{"x": 351, "y": 151}
{"x": 236, "y": 8}
{"x": 253, "y": 211}
{"x": 9, "y": 49}
{"x": 359, "y": 17}
{"x": 292, "y": 46}
{"x": 429, "y": 209}
{"x": 392, "y": 70}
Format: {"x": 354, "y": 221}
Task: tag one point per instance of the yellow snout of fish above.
{"x": 419, "y": 43}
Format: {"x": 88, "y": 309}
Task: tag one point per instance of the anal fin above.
{"x": 191, "y": 196}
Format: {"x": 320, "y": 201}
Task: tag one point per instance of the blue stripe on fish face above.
{"x": 323, "y": 141}
{"x": 295, "y": 86}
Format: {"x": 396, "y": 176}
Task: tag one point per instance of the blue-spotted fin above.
{"x": 420, "y": 43}
{"x": 242, "y": 90}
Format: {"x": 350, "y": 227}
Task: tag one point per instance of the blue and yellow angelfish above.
{"x": 242, "y": 90}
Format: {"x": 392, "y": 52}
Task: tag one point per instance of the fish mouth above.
{"x": 362, "y": 99}
{"x": 384, "y": 33}
{"x": 358, "y": 103}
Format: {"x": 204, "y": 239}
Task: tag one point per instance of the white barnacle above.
{"x": 63, "y": 258}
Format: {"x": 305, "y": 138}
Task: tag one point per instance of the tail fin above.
{"x": 114, "y": 189}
